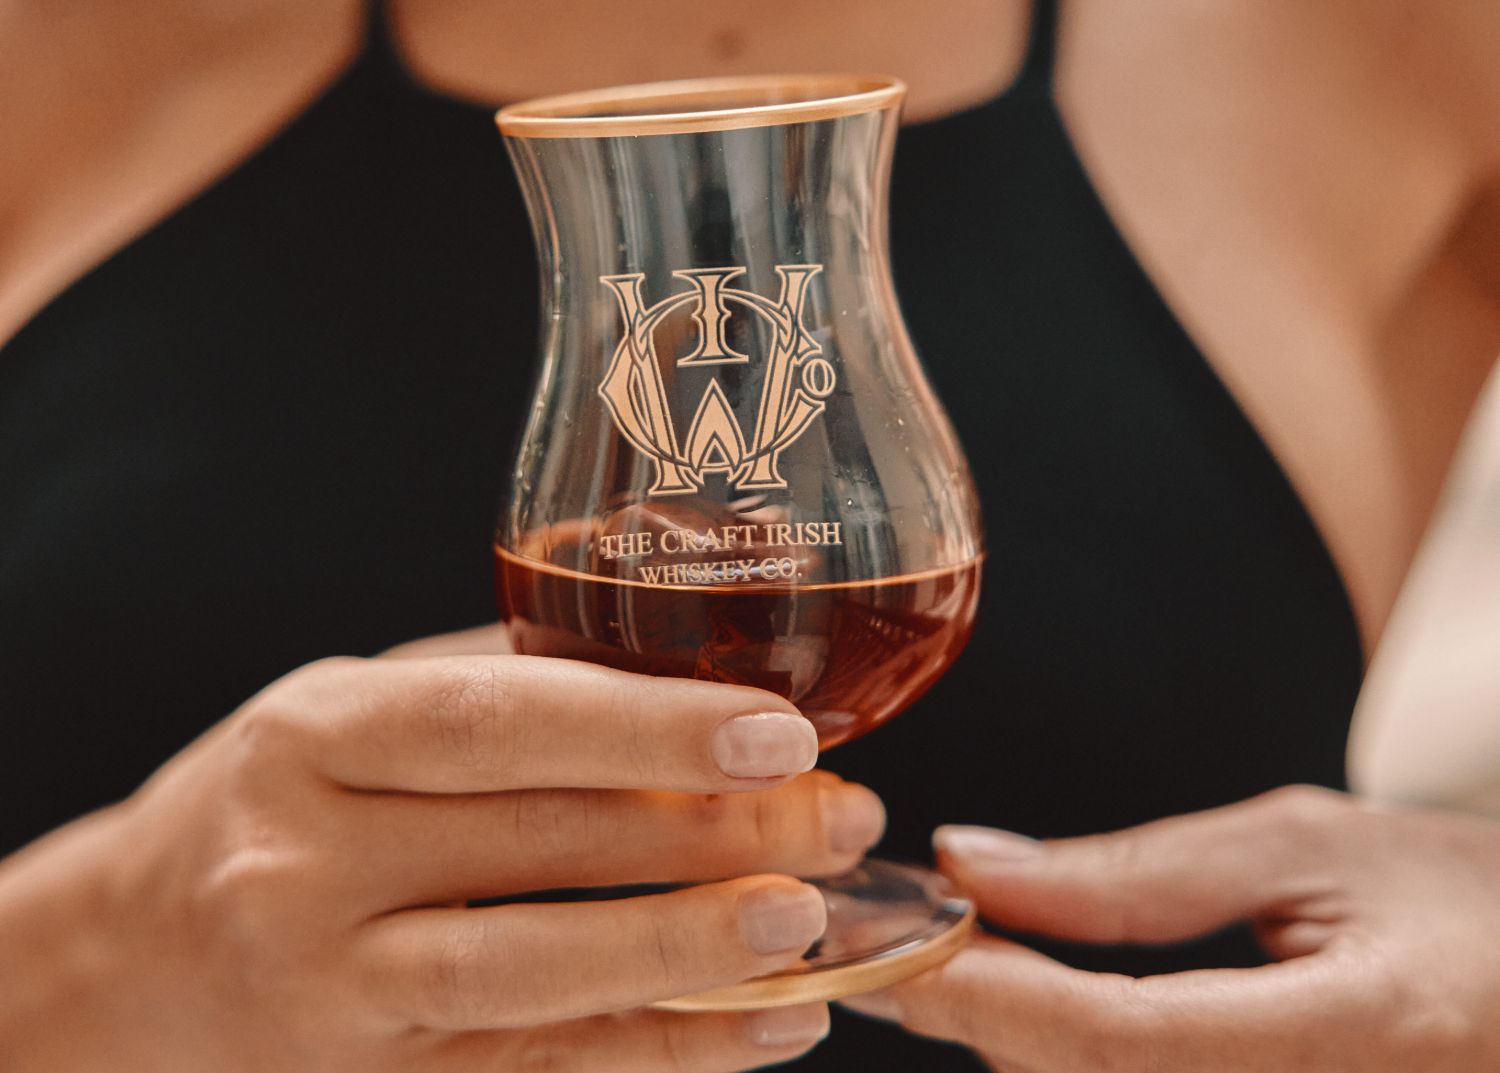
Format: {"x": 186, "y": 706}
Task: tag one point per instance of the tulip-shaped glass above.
{"x": 734, "y": 468}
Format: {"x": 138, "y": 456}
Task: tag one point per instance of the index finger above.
{"x": 477, "y": 724}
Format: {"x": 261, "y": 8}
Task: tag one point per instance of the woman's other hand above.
{"x": 288, "y": 893}
{"x": 1385, "y": 924}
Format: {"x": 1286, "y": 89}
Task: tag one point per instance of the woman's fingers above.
{"x": 1162, "y": 882}
{"x": 427, "y": 849}
{"x": 1016, "y": 1006}
{"x": 642, "y": 1041}
{"x": 1282, "y": 860}
{"x": 519, "y": 966}
{"x": 477, "y": 724}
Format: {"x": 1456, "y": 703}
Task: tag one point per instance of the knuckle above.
{"x": 665, "y": 945}
{"x": 245, "y": 912}
{"x": 649, "y": 764}
{"x": 541, "y": 1055}
{"x": 331, "y": 667}
{"x": 967, "y": 1020}
{"x": 1124, "y": 852}
{"x": 551, "y": 822}
{"x": 458, "y": 988}
{"x": 270, "y": 758}
{"x": 281, "y": 721}
{"x": 318, "y": 674}
{"x": 1301, "y": 801}
{"x": 1419, "y": 1022}
{"x": 1123, "y": 1036}
{"x": 309, "y": 685}
{"x": 250, "y": 881}
{"x": 471, "y": 714}
{"x": 536, "y": 1056}
{"x": 1432, "y": 1036}
{"x": 1441, "y": 1036}
{"x": 676, "y": 1054}
{"x": 764, "y": 826}
{"x": 271, "y": 729}
{"x": 1308, "y": 818}
{"x": 1126, "y": 855}
{"x": 629, "y": 709}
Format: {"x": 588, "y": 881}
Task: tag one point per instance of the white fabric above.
{"x": 1427, "y": 729}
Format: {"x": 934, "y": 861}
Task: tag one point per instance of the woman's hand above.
{"x": 288, "y": 893}
{"x": 1385, "y": 924}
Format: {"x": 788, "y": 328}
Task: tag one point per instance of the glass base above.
{"x": 886, "y": 921}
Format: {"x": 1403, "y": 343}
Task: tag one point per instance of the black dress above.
{"x": 276, "y": 427}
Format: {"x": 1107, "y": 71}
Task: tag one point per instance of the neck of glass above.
{"x": 730, "y": 208}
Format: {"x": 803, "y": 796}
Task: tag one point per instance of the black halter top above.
{"x": 276, "y": 426}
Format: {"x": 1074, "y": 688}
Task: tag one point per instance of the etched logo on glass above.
{"x": 796, "y": 379}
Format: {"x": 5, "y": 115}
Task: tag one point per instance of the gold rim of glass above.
{"x": 697, "y": 105}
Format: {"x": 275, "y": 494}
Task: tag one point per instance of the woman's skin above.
{"x": 287, "y": 894}
{"x": 1384, "y": 923}
{"x": 1316, "y": 190}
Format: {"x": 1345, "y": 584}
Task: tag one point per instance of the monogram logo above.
{"x": 796, "y": 380}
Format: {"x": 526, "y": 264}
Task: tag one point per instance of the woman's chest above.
{"x": 1284, "y": 178}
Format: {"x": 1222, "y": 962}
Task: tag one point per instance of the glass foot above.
{"x": 886, "y": 921}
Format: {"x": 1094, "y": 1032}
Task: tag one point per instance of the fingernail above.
{"x": 853, "y": 817}
{"x": 780, "y": 919}
{"x": 981, "y": 845}
{"x": 789, "y": 1026}
{"x": 874, "y": 1004}
{"x": 764, "y": 746}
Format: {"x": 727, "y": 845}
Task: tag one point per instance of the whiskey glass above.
{"x": 734, "y": 468}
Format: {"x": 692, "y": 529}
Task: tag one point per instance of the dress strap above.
{"x": 1041, "y": 50}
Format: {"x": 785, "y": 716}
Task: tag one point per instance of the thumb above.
{"x": 1163, "y": 882}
